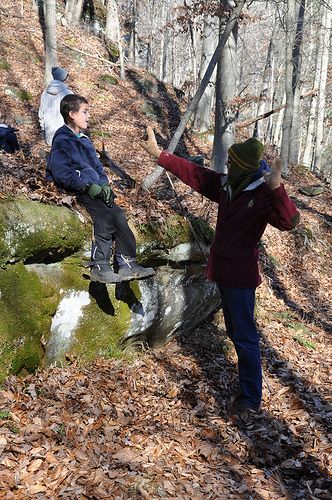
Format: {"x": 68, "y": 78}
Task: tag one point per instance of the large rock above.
{"x": 35, "y": 231}
{"x": 49, "y": 309}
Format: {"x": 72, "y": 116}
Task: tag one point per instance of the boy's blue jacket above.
{"x": 73, "y": 162}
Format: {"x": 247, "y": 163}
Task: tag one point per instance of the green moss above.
{"x": 113, "y": 51}
{"x": 106, "y": 319}
{"x": 25, "y": 314}
{"x": 19, "y": 94}
{"x": 203, "y": 230}
{"x": 152, "y": 110}
{"x": 4, "y": 65}
{"x": 31, "y": 230}
{"x": 173, "y": 231}
{"x": 109, "y": 79}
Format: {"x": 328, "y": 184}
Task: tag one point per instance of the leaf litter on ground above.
{"x": 156, "y": 425}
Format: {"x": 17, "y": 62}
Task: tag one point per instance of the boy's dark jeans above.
{"x": 109, "y": 224}
{"x": 238, "y": 307}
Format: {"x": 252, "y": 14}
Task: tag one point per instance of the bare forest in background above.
{"x": 277, "y": 66}
{"x": 273, "y": 75}
{"x": 272, "y": 79}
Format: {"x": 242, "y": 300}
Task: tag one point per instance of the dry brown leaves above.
{"x": 156, "y": 425}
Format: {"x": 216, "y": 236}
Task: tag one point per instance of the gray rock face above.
{"x": 172, "y": 300}
{"x": 152, "y": 311}
{"x": 50, "y": 309}
{"x": 312, "y": 190}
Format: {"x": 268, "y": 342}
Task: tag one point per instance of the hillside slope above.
{"x": 154, "y": 424}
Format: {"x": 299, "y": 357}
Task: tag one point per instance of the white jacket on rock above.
{"x": 49, "y": 115}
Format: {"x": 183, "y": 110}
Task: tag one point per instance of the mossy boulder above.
{"x": 79, "y": 60}
{"x": 110, "y": 80}
{"x": 312, "y": 190}
{"x": 49, "y": 309}
{"x": 146, "y": 85}
{"x": 152, "y": 110}
{"x": 173, "y": 239}
{"x": 89, "y": 317}
{"x": 26, "y": 309}
{"x": 4, "y": 65}
{"x": 30, "y": 230}
{"x": 19, "y": 94}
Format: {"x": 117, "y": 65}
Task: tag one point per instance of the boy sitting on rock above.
{"x": 74, "y": 166}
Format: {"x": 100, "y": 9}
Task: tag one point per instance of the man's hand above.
{"x": 273, "y": 178}
{"x": 151, "y": 146}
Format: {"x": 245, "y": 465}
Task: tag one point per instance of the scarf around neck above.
{"x": 239, "y": 179}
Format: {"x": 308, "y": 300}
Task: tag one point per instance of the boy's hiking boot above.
{"x": 129, "y": 269}
{"x": 103, "y": 273}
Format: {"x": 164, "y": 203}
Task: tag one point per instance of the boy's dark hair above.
{"x": 71, "y": 102}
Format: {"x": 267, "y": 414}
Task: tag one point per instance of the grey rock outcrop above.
{"x": 49, "y": 309}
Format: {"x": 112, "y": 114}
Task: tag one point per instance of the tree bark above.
{"x": 73, "y": 11}
{"x": 326, "y": 26}
{"x": 202, "y": 117}
{"x": 112, "y": 21}
{"x": 132, "y": 43}
{"x": 147, "y": 183}
{"x": 113, "y": 32}
{"x": 266, "y": 82}
{"x": 225, "y": 113}
{"x": 287, "y": 123}
{"x": 50, "y": 40}
{"x": 308, "y": 154}
{"x": 296, "y": 82}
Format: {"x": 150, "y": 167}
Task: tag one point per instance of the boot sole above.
{"x": 116, "y": 279}
{"x": 136, "y": 276}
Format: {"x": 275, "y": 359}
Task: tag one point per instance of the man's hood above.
{"x": 55, "y": 87}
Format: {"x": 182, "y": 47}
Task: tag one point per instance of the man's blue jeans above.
{"x": 238, "y": 307}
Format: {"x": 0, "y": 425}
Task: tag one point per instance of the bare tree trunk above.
{"x": 326, "y": 26}
{"x": 266, "y": 82}
{"x": 297, "y": 63}
{"x": 113, "y": 31}
{"x": 233, "y": 19}
{"x": 276, "y": 136}
{"x": 165, "y": 62}
{"x": 73, "y": 11}
{"x": 224, "y": 130}
{"x": 193, "y": 50}
{"x": 50, "y": 40}
{"x": 308, "y": 154}
{"x": 202, "y": 118}
{"x": 112, "y": 21}
{"x": 288, "y": 116}
{"x": 132, "y": 43}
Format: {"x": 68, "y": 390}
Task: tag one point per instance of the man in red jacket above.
{"x": 250, "y": 196}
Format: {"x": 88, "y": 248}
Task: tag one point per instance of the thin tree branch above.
{"x": 272, "y": 111}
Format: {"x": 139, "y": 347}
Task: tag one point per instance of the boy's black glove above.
{"x": 107, "y": 195}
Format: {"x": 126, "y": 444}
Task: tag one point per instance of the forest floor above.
{"x": 154, "y": 424}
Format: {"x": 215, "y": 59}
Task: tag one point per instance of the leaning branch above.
{"x": 275, "y": 110}
{"x": 151, "y": 179}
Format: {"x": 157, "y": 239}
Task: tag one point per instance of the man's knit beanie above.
{"x": 246, "y": 154}
{"x": 59, "y": 73}
{"x": 244, "y": 163}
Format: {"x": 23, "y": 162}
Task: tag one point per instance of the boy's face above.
{"x": 80, "y": 118}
